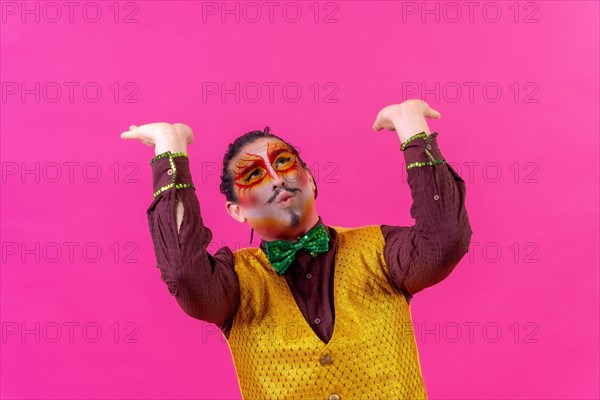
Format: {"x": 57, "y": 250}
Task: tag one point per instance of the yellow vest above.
{"x": 372, "y": 353}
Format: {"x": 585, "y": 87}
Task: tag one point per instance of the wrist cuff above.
{"x": 421, "y": 150}
{"x": 170, "y": 170}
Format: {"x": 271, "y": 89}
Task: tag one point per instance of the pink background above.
{"x": 533, "y": 306}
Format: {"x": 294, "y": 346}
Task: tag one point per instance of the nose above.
{"x": 277, "y": 180}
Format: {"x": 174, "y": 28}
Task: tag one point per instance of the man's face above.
{"x": 264, "y": 170}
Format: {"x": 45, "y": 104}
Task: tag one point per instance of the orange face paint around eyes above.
{"x": 291, "y": 174}
{"x": 251, "y": 162}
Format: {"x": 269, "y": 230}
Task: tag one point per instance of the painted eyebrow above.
{"x": 243, "y": 162}
{"x": 243, "y": 168}
{"x": 278, "y": 151}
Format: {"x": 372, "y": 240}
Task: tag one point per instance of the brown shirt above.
{"x": 206, "y": 286}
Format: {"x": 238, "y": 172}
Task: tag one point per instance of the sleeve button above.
{"x": 436, "y": 197}
{"x": 428, "y": 147}
{"x": 169, "y": 171}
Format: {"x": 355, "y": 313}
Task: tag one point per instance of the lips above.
{"x": 283, "y": 196}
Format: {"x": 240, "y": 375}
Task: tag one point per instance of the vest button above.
{"x": 334, "y": 397}
{"x": 325, "y": 360}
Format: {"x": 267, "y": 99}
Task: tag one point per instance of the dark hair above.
{"x": 227, "y": 177}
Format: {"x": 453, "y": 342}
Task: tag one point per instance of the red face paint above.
{"x": 251, "y": 170}
{"x": 255, "y": 175}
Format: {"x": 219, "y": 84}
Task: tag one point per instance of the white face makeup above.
{"x": 265, "y": 172}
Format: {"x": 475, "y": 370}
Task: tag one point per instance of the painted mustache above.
{"x": 278, "y": 191}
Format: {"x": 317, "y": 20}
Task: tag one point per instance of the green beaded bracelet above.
{"x": 174, "y": 169}
{"x": 413, "y": 137}
{"x": 168, "y": 154}
{"x": 424, "y": 163}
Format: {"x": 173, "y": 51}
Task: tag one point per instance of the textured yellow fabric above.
{"x": 372, "y": 353}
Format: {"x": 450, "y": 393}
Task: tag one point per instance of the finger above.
{"x": 376, "y": 127}
{"x": 132, "y": 127}
{"x": 431, "y": 113}
{"x": 130, "y": 135}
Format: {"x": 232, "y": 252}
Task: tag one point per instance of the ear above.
{"x": 235, "y": 211}
{"x": 312, "y": 179}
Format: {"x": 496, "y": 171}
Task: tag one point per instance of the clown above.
{"x": 316, "y": 311}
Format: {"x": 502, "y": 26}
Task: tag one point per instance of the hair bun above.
{"x": 267, "y": 129}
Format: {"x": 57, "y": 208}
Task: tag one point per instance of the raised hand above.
{"x": 163, "y": 136}
{"x": 406, "y": 118}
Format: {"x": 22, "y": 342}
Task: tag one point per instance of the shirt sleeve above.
{"x": 424, "y": 254}
{"x": 206, "y": 287}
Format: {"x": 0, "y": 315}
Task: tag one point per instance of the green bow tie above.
{"x": 281, "y": 253}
